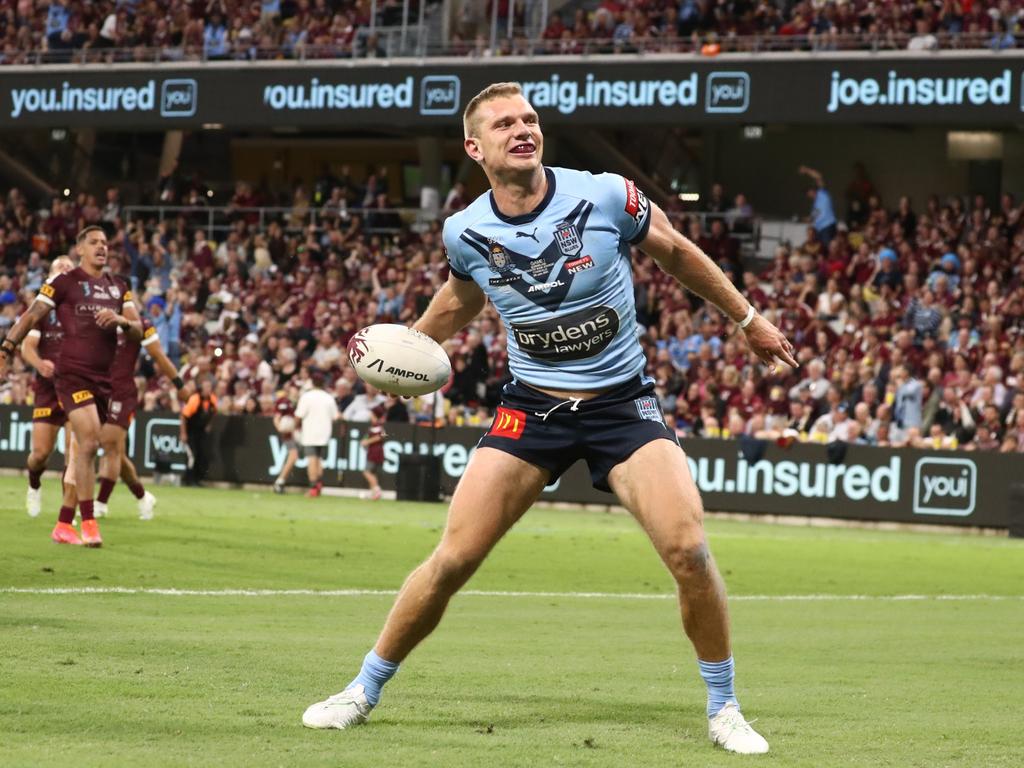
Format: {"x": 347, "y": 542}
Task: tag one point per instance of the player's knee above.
{"x": 689, "y": 559}
{"x": 451, "y": 567}
{"x": 88, "y": 445}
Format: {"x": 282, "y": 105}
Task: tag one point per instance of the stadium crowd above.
{"x": 55, "y": 30}
{"x": 710, "y": 27}
{"x": 907, "y": 320}
{"x": 180, "y": 30}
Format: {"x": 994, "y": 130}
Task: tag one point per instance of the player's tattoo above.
{"x": 35, "y": 312}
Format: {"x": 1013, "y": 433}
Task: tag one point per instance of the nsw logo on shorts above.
{"x": 81, "y": 396}
{"x": 509, "y": 423}
{"x": 648, "y": 409}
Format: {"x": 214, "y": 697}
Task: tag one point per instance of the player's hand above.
{"x": 45, "y": 369}
{"x": 769, "y": 343}
{"x": 108, "y": 318}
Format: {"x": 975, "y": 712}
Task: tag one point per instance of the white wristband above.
{"x": 749, "y": 318}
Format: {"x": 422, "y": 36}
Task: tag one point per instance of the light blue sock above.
{"x": 375, "y": 672}
{"x": 719, "y": 676}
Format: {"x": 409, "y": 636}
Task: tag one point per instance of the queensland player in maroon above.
{"x": 124, "y": 401}
{"x": 91, "y": 306}
{"x": 40, "y": 349}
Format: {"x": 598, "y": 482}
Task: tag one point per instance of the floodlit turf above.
{"x": 148, "y": 679}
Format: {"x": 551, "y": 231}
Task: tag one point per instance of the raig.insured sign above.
{"x": 854, "y": 88}
{"x": 868, "y": 484}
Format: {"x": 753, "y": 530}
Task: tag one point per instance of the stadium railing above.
{"x": 220, "y": 219}
{"x": 409, "y": 42}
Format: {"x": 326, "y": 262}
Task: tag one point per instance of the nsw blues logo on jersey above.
{"x": 544, "y": 279}
{"x": 568, "y": 239}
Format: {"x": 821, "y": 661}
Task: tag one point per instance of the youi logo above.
{"x": 440, "y": 95}
{"x": 163, "y": 445}
{"x": 945, "y": 487}
{"x": 179, "y": 97}
{"x": 727, "y": 93}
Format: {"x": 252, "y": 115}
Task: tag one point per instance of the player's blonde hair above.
{"x": 491, "y": 92}
{"x": 64, "y": 261}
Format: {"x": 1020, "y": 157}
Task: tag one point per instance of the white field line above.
{"x": 171, "y": 592}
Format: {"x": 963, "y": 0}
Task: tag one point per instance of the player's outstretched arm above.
{"x": 165, "y": 366}
{"x": 456, "y": 303}
{"x": 36, "y": 311}
{"x": 815, "y": 175}
{"x": 683, "y": 260}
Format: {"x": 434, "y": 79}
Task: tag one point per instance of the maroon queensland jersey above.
{"x": 50, "y": 336}
{"x": 88, "y": 350}
{"x": 285, "y": 407}
{"x": 122, "y": 371}
{"x": 375, "y": 451}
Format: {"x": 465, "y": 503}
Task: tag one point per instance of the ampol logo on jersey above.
{"x": 945, "y": 487}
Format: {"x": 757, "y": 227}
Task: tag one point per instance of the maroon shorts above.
{"x": 75, "y": 391}
{"x": 47, "y": 409}
{"x": 122, "y": 407}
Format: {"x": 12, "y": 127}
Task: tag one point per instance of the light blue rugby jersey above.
{"x": 560, "y": 277}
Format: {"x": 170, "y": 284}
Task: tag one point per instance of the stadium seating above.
{"x": 59, "y": 31}
{"x": 938, "y": 291}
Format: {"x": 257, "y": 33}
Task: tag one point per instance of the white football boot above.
{"x": 146, "y": 506}
{"x": 730, "y": 731}
{"x": 99, "y": 509}
{"x": 341, "y": 710}
{"x": 34, "y": 501}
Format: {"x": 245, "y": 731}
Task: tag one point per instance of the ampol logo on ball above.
{"x": 945, "y": 486}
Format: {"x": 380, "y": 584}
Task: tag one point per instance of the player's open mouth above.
{"x": 523, "y": 149}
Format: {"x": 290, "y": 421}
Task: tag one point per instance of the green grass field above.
{"x": 850, "y": 677}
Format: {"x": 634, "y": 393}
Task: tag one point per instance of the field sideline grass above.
{"x": 148, "y": 679}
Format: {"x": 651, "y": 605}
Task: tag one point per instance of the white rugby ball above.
{"x": 287, "y": 424}
{"x": 399, "y": 360}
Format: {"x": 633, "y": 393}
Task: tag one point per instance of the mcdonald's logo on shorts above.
{"x": 508, "y": 423}
{"x": 42, "y": 413}
{"x": 81, "y": 396}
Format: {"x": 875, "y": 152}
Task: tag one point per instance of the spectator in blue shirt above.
{"x": 923, "y": 316}
{"x": 215, "y": 38}
{"x": 1002, "y": 38}
{"x": 909, "y": 400}
{"x": 167, "y": 321}
{"x": 707, "y": 336}
{"x": 57, "y": 19}
{"x": 823, "y": 217}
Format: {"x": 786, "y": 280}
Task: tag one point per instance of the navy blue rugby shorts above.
{"x": 554, "y": 434}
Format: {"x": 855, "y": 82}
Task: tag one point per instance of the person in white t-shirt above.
{"x": 317, "y": 413}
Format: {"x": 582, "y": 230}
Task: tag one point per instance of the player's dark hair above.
{"x": 91, "y": 228}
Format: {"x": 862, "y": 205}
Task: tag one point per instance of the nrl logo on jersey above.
{"x": 568, "y": 239}
{"x": 498, "y": 258}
